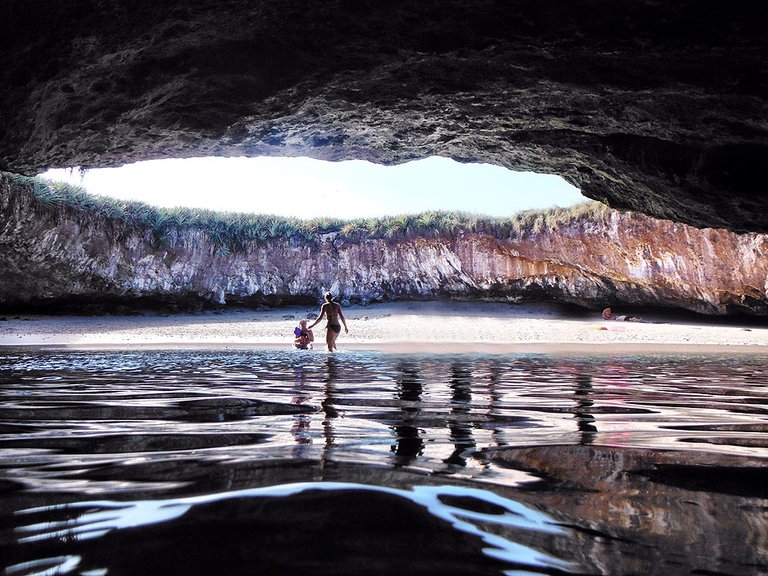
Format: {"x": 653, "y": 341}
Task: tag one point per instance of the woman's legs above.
{"x": 330, "y": 338}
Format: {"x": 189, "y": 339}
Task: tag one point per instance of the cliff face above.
{"x": 630, "y": 258}
{"x": 57, "y": 254}
{"x": 652, "y": 106}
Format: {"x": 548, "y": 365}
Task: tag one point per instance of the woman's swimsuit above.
{"x": 333, "y": 318}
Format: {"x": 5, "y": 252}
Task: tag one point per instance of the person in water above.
{"x": 304, "y": 336}
{"x": 609, "y": 315}
{"x": 332, "y": 311}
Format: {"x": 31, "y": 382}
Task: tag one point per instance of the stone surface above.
{"x": 659, "y": 498}
{"x": 654, "y": 106}
{"x": 59, "y": 256}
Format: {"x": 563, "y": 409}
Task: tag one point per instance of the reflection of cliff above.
{"x": 410, "y": 444}
{"x": 459, "y": 422}
{"x": 52, "y": 255}
{"x": 583, "y": 410}
{"x": 694, "y": 508}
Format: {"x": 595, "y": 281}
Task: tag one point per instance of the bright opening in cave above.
{"x": 308, "y": 188}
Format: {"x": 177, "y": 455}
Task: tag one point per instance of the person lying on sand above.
{"x": 304, "y": 336}
{"x": 609, "y": 315}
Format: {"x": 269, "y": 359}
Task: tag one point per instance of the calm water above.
{"x": 272, "y": 462}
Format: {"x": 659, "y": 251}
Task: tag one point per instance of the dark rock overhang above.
{"x": 648, "y": 105}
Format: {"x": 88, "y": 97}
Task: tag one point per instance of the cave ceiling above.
{"x": 648, "y": 105}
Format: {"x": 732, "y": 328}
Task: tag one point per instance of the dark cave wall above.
{"x": 653, "y": 106}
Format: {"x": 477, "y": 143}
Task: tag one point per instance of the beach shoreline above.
{"x": 397, "y": 327}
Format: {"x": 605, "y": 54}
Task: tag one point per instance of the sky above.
{"x": 308, "y": 188}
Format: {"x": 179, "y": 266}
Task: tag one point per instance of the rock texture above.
{"x": 671, "y": 502}
{"x": 659, "y": 107}
{"x": 53, "y": 256}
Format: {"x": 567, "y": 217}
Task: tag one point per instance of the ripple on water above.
{"x": 427, "y": 529}
{"x": 470, "y": 464}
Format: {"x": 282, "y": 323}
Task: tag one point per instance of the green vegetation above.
{"x": 231, "y": 232}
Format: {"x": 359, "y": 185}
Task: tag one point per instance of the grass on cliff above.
{"x": 233, "y": 231}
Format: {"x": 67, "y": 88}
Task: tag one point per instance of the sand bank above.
{"x": 397, "y": 327}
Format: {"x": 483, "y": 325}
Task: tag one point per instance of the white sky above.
{"x": 306, "y": 188}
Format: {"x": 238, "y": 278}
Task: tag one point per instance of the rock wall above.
{"x": 678, "y": 514}
{"x": 652, "y": 106}
{"x": 59, "y": 255}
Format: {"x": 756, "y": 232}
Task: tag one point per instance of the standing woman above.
{"x": 332, "y": 311}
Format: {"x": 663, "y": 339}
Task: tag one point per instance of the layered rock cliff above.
{"x": 54, "y": 254}
{"x": 653, "y": 106}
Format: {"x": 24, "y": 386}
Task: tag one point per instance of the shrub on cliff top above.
{"x": 234, "y": 231}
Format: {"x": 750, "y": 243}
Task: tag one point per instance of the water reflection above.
{"x": 491, "y": 369}
{"x": 409, "y": 444}
{"x": 642, "y": 464}
{"x": 459, "y": 421}
{"x": 330, "y": 381}
{"x": 440, "y": 524}
{"x": 635, "y": 511}
{"x": 583, "y": 411}
{"x": 300, "y": 430}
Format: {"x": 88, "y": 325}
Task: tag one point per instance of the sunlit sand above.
{"x": 397, "y": 327}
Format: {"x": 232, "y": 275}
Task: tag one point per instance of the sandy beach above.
{"x": 398, "y": 326}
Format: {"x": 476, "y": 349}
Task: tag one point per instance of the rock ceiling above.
{"x": 650, "y": 105}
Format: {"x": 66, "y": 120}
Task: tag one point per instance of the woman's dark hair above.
{"x": 329, "y": 296}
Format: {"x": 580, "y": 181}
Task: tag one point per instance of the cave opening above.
{"x": 306, "y": 188}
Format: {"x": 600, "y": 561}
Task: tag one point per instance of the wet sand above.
{"x": 396, "y": 327}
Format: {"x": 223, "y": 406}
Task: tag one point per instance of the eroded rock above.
{"x": 52, "y": 255}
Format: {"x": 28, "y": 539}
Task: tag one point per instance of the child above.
{"x": 304, "y": 336}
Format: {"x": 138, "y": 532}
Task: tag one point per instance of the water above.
{"x": 267, "y": 462}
